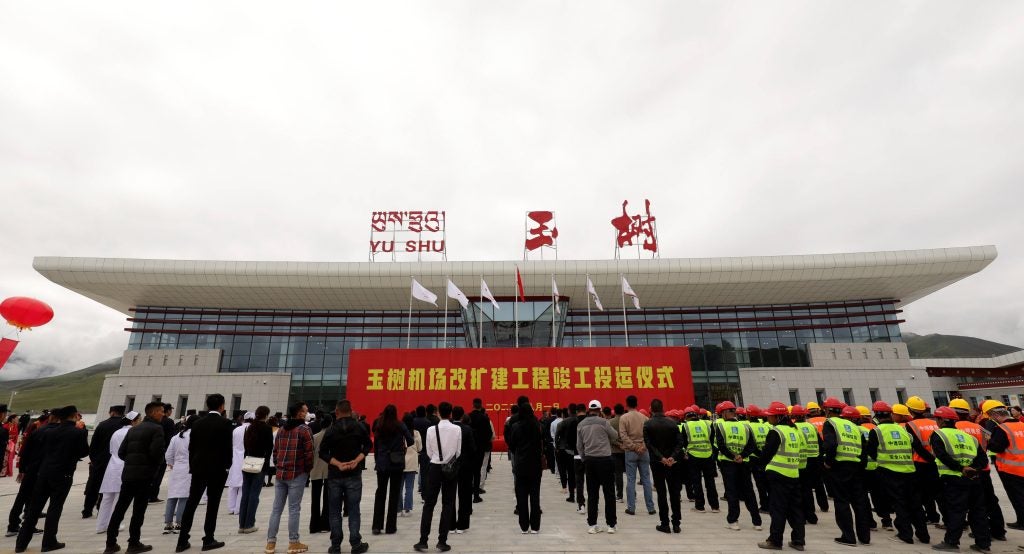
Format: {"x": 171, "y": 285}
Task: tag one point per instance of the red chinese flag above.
{"x": 6, "y": 349}
{"x": 519, "y": 285}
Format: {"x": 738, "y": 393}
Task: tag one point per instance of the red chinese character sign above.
{"x": 541, "y": 233}
{"x": 630, "y": 228}
{"x": 410, "y": 235}
{"x": 550, "y": 377}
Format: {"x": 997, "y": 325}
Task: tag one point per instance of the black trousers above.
{"x": 565, "y": 472}
{"x": 600, "y": 480}
{"x": 898, "y": 489}
{"x": 435, "y": 484}
{"x": 137, "y": 494}
{"x": 927, "y": 478}
{"x": 158, "y": 477}
{"x": 964, "y": 499}
{"x": 92, "y": 487}
{"x": 620, "y": 472}
{"x": 757, "y": 471}
{"x": 318, "y": 516}
{"x": 386, "y": 500}
{"x": 847, "y": 494}
{"x": 703, "y": 469}
{"x": 736, "y": 478}
{"x": 785, "y": 504}
{"x": 817, "y": 482}
{"x": 54, "y": 489}
{"x": 1014, "y": 487}
{"x": 477, "y": 463}
{"x": 464, "y": 494}
{"x": 996, "y": 523}
{"x": 580, "y": 473}
{"x": 21, "y": 501}
{"x": 213, "y": 484}
{"x": 549, "y": 455}
{"x": 528, "y": 499}
{"x": 879, "y": 498}
{"x": 668, "y": 487}
{"x": 809, "y": 478}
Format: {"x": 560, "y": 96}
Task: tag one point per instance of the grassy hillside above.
{"x": 81, "y": 388}
{"x": 948, "y": 346}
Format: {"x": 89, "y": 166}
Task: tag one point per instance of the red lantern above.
{"x": 25, "y": 313}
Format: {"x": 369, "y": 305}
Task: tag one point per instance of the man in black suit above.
{"x": 209, "y": 458}
{"x": 99, "y": 457}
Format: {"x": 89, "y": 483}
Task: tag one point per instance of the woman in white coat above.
{"x": 110, "y": 487}
{"x": 178, "y": 485}
{"x": 234, "y": 482}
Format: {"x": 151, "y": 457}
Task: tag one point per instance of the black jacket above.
{"x": 468, "y": 448}
{"x": 167, "y": 424}
{"x": 62, "y": 446}
{"x": 142, "y": 451}
{"x": 565, "y": 435}
{"x": 343, "y": 441}
{"x": 258, "y": 441}
{"x": 31, "y": 454}
{"x": 525, "y": 440}
{"x": 662, "y": 438}
{"x": 209, "y": 450}
{"x": 481, "y": 425}
{"x": 99, "y": 449}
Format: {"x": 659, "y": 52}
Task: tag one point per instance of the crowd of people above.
{"x": 912, "y": 468}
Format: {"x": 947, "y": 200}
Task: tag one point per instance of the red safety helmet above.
{"x": 645, "y": 412}
{"x": 741, "y": 411}
{"x": 833, "y": 402}
{"x": 754, "y": 410}
{"x": 688, "y": 410}
{"x": 703, "y": 412}
{"x": 723, "y": 406}
{"x": 776, "y": 409}
{"x": 695, "y": 408}
{"x": 850, "y": 412}
{"x": 881, "y": 407}
{"x": 945, "y": 412}
{"x": 798, "y": 410}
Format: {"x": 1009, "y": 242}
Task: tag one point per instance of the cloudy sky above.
{"x": 267, "y": 131}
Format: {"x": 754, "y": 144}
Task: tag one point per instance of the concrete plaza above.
{"x": 494, "y": 528}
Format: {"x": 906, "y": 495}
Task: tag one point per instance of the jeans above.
{"x": 347, "y": 490}
{"x": 292, "y": 491}
{"x": 175, "y": 508}
{"x": 252, "y": 485}
{"x": 408, "y": 480}
{"x": 642, "y": 462}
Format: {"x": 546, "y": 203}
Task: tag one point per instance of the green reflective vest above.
{"x": 810, "y": 439}
{"x": 872, "y": 462}
{"x": 786, "y": 461}
{"x": 895, "y": 452}
{"x": 849, "y": 437}
{"x": 698, "y": 438}
{"x": 760, "y": 431}
{"x": 735, "y": 434}
{"x": 960, "y": 446}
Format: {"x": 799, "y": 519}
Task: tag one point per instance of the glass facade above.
{"x": 314, "y": 345}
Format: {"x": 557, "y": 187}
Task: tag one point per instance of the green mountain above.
{"x": 953, "y": 346}
{"x": 81, "y": 388}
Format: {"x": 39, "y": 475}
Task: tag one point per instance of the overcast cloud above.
{"x": 270, "y": 131}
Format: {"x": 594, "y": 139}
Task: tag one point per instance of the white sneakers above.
{"x": 733, "y": 526}
{"x": 593, "y": 530}
{"x": 534, "y": 531}
{"x": 758, "y": 528}
{"x": 611, "y": 530}
{"x": 581, "y": 510}
{"x": 699, "y": 511}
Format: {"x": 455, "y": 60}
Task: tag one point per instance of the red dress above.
{"x": 12, "y": 432}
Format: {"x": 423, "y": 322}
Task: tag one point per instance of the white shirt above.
{"x": 451, "y": 442}
{"x": 554, "y": 427}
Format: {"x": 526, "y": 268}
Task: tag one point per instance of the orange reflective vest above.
{"x": 818, "y": 423}
{"x": 1012, "y": 460}
{"x": 978, "y": 432}
{"x": 869, "y": 426}
{"x": 922, "y": 429}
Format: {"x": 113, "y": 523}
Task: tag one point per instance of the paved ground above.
{"x": 494, "y": 528}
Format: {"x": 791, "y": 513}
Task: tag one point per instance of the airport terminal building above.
{"x": 791, "y": 328}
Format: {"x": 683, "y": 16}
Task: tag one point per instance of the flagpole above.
{"x": 515, "y": 307}
{"x": 625, "y": 326}
{"x": 590, "y": 332}
{"x": 408, "y": 335}
{"x": 445, "y": 339}
{"x": 554, "y": 312}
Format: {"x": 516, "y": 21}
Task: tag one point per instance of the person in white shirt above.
{"x": 443, "y": 444}
{"x": 234, "y": 482}
{"x": 110, "y": 487}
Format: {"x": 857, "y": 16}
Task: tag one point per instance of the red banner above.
{"x": 550, "y": 377}
{"x": 6, "y": 349}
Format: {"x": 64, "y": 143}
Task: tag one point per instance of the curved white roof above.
{"x": 905, "y": 275}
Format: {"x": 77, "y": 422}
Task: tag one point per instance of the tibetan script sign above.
{"x": 550, "y": 377}
{"x": 393, "y": 233}
{"x": 630, "y": 228}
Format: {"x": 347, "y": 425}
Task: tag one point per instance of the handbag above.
{"x": 449, "y": 471}
{"x": 252, "y": 464}
{"x": 397, "y": 457}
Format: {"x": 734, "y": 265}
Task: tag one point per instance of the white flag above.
{"x": 554, "y": 292}
{"x": 593, "y": 293}
{"x": 420, "y": 293}
{"x": 486, "y": 293}
{"x": 455, "y": 293}
{"x": 628, "y": 291}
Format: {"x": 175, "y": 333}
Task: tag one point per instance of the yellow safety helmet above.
{"x": 959, "y": 404}
{"x": 988, "y": 405}
{"x": 812, "y": 406}
{"x": 789, "y": 409}
{"x": 900, "y": 409}
{"x": 864, "y": 411}
{"x": 916, "y": 403}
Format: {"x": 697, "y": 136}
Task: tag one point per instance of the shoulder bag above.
{"x": 449, "y": 471}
